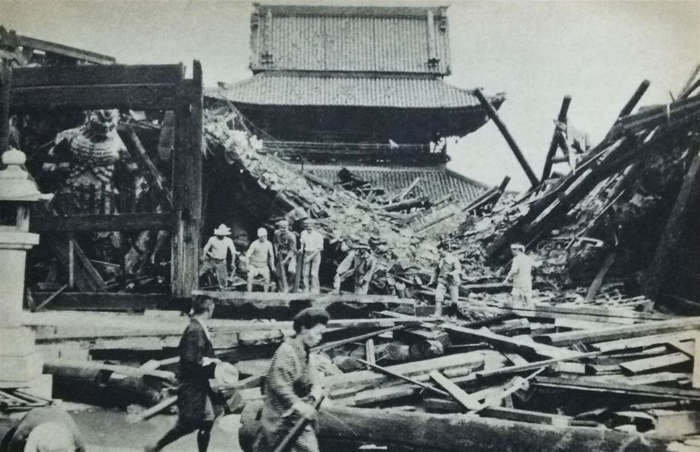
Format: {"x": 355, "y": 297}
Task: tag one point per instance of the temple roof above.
{"x": 366, "y": 39}
{"x": 349, "y": 90}
{"x": 435, "y": 182}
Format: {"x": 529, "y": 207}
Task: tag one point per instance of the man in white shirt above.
{"x": 311, "y": 247}
{"x": 215, "y": 253}
{"x": 260, "y": 259}
{"x": 521, "y": 272}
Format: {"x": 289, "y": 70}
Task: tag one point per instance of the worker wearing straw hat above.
{"x": 215, "y": 253}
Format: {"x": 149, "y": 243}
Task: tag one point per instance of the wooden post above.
{"x": 369, "y": 352}
{"x": 629, "y": 106}
{"x": 696, "y": 362}
{"x": 187, "y": 185}
{"x": 509, "y": 139}
{"x": 5, "y": 82}
{"x": 71, "y": 264}
{"x": 670, "y": 239}
{"x": 563, "y": 110}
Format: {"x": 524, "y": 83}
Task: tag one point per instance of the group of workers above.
{"x": 286, "y": 255}
{"x": 293, "y": 387}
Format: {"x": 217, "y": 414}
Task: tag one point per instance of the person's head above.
{"x": 283, "y": 225}
{"x": 50, "y": 437}
{"x": 517, "y": 248}
{"x": 203, "y": 307}
{"x": 222, "y": 231}
{"x": 310, "y": 324}
{"x": 308, "y": 224}
{"x": 262, "y": 234}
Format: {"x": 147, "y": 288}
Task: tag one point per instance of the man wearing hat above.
{"x": 311, "y": 247}
{"x": 359, "y": 263}
{"x": 521, "y": 272}
{"x": 215, "y": 253}
{"x": 284, "y": 243}
{"x": 260, "y": 259}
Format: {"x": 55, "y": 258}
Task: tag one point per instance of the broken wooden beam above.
{"x": 390, "y": 373}
{"x": 554, "y": 144}
{"x": 654, "y": 363}
{"x": 621, "y": 332}
{"x": 580, "y": 385}
{"x": 491, "y": 111}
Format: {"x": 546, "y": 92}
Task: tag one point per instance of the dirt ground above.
{"x": 106, "y": 430}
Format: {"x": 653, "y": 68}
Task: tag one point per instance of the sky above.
{"x": 537, "y": 52}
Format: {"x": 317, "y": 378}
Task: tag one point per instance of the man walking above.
{"x": 197, "y": 405}
{"x": 311, "y": 247}
{"x": 521, "y": 272}
{"x": 260, "y": 259}
{"x": 285, "y": 245}
{"x": 448, "y": 276}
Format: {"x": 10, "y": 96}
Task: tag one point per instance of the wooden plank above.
{"x": 137, "y": 97}
{"x": 554, "y": 143}
{"x": 657, "y": 362}
{"x": 115, "y": 74}
{"x": 455, "y": 391}
{"x": 580, "y": 385}
{"x": 92, "y": 223}
{"x": 369, "y": 353}
{"x": 103, "y": 301}
{"x": 187, "y": 186}
{"x": 643, "y": 342}
{"x": 508, "y": 343}
{"x": 50, "y": 298}
{"x": 687, "y": 348}
{"x": 621, "y": 332}
{"x": 511, "y": 414}
{"x": 676, "y": 423}
{"x": 386, "y": 371}
{"x": 671, "y": 237}
{"x": 349, "y": 340}
{"x": 600, "y": 313}
{"x": 491, "y": 111}
{"x": 696, "y": 362}
{"x": 514, "y": 370}
{"x": 64, "y": 50}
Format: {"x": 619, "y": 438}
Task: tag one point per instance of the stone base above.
{"x": 41, "y": 387}
{"x": 19, "y": 363}
{"x": 20, "y": 371}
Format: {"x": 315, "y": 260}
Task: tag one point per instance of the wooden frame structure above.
{"x": 137, "y": 87}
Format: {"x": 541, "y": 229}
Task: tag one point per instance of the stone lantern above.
{"x": 20, "y": 365}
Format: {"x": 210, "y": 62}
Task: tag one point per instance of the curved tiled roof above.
{"x": 435, "y": 182}
{"x": 347, "y": 90}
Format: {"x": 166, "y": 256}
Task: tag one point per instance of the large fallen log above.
{"x": 345, "y": 428}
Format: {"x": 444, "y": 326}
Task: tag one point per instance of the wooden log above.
{"x": 629, "y": 106}
{"x": 91, "y": 223}
{"x": 621, "y": 332}
{"x": 520, "y": 345}
{"x": 660, "y": 266}
{"x": 511, "y": 414}
{"x": 554, "y": 144}
{"x": 598, "y": 280}
{"x": 506, "y": 134}
{"x": 654, "y": 363}
{"x": 345, "y": 428}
